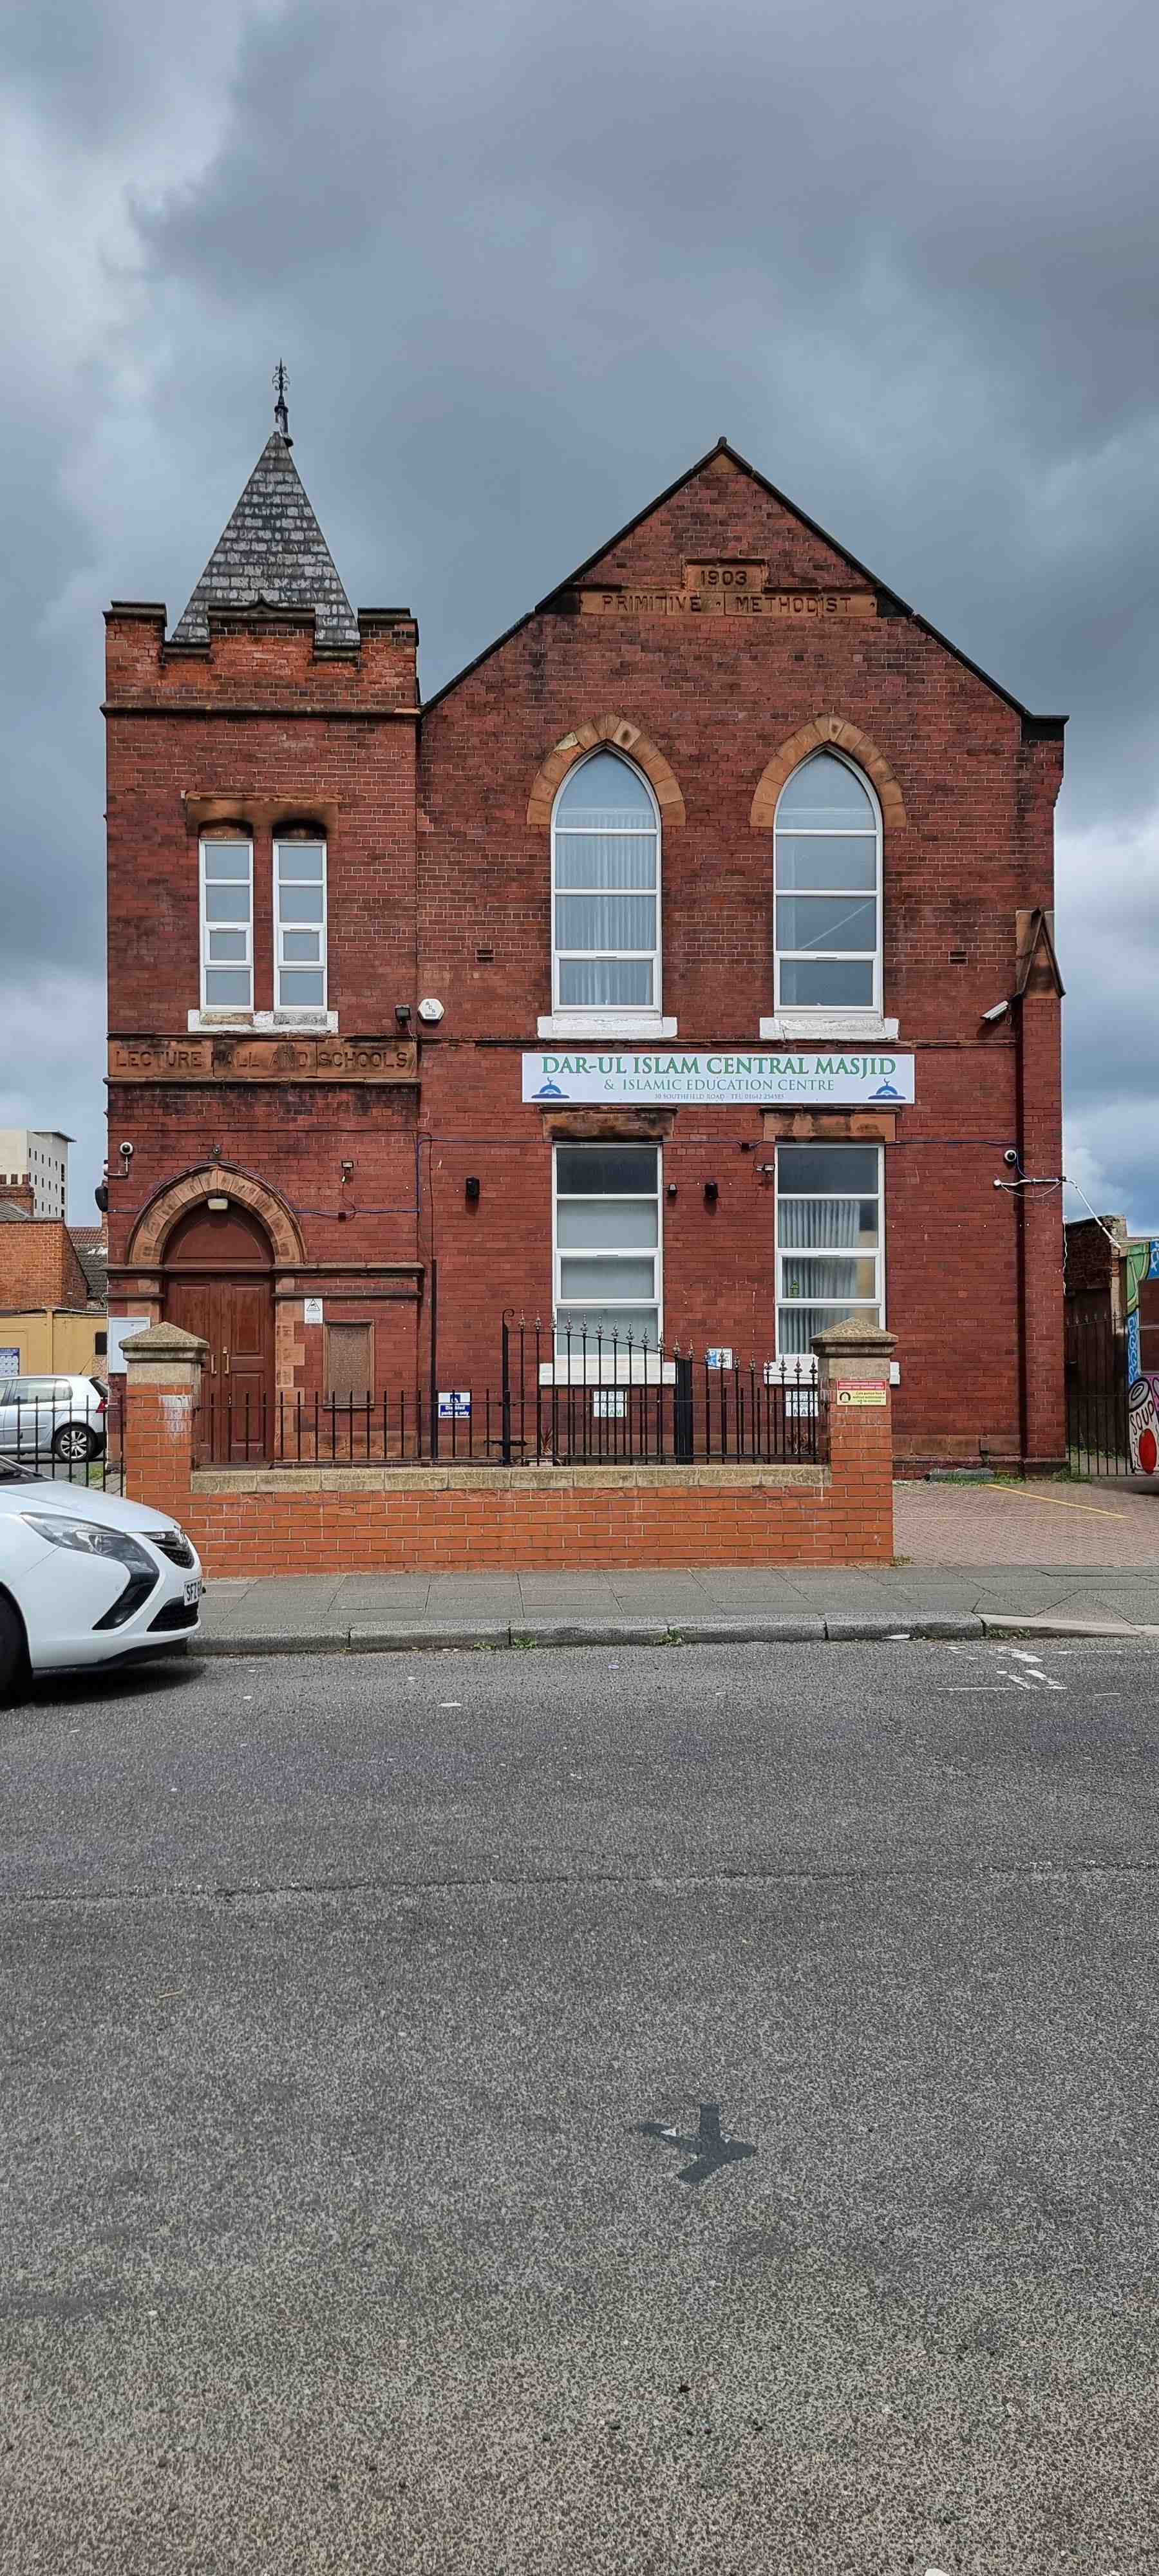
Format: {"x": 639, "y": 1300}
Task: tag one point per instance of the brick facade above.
{"x": 438, "y": 825}
{"x": 39, "y": 1265}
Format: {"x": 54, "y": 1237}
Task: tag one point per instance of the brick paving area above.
{"x": 1041, "y": 1525}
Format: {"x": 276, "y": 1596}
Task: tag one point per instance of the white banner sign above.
{"x": 834, "y": 1078}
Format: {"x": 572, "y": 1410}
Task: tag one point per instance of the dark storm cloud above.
{"x": 526, "y": 262}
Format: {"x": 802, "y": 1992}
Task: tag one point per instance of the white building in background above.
{"x": 40, "y": 1156}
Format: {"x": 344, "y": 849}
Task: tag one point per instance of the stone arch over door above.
{"x": 218, "y": 1271}
{"x": 620, "y": 734}
{"x": 157, "y": 1220}
{"x": 217, "y": 1280}
{"x": 826, "y": 733}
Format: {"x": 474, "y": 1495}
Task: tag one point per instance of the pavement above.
{"x": 583, "y": 2112}
{"x": 973, "y": 1560}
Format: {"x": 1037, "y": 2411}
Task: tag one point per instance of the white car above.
{"x": 88, "y": 1579}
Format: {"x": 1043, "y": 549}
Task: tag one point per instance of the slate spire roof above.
{"x": 272, "y": 554}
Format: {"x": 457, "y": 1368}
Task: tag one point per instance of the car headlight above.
{"x": 90, "y": 1538}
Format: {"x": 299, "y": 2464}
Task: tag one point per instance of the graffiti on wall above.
{"x": 1142, "y": 1263}
{"x": 1143, "y": 1425}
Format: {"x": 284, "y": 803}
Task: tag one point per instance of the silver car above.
{"x": 57, "y": 1417}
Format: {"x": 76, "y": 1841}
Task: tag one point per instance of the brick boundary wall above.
{"x": 441, "y": 1520}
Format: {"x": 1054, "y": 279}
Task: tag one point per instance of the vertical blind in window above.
{"x": 827, "y": 890}
{"x": 227, "y": 964}
{"x": 607, "y": 1246}
{"x": 606, "y": 888}
{"x": 828, "y": 1240}
{"x": 300, "y": 924}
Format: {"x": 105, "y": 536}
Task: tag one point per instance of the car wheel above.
{"x": 13, "y": 1650}
{"x": 74, "y": 1440}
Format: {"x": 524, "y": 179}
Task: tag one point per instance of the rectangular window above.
{"x": 227, "y": 919}
{"x": 829, "y": 1241}
{"x": 300, "y": 925}
{"x": 607, "y": 1255}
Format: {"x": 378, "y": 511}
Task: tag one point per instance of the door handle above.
{"x": 225, "y": 1362}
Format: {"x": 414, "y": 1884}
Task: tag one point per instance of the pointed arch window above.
{"x": 827, "y": 838}
{"x": 605, "y": 891}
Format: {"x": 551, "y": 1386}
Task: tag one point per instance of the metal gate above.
{"x": 1096, "y": 1395}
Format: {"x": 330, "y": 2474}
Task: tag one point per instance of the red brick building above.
{"x": 651, "y": 974}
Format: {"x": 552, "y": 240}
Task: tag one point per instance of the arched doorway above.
{"x": 219, "y": 1282}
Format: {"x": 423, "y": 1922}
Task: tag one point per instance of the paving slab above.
{"x": 495, "y": 1596}
{"x": 361, "y": 1594}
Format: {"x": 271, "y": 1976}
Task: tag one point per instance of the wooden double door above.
{"x": 219, "y": 1282}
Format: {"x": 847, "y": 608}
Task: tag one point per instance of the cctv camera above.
{"x": 127, "y": 1151}
{"x": 1010, "y": 1157}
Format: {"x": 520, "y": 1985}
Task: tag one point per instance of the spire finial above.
{"x": 280, "y": 381}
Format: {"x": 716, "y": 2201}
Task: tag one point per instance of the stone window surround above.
{"x": 238, "y": 811}
{"x": 820, "y": 732}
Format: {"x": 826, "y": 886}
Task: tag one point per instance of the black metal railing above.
{"x": 563, "y": 1397}
{"x": 69, "y": 1430}
{"x": 1096, "y": 1395}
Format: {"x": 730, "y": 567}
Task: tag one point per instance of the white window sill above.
{"x": 646, "y": 1370}
{"x": 828, "y": 1025}
{"x": 265, "y": 1023}
{"x": 604, "y": 1024}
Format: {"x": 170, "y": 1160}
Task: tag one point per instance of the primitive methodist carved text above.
{"x": 728, "y": 590}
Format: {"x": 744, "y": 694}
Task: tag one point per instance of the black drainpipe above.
{"x": 1020, "y": 1232}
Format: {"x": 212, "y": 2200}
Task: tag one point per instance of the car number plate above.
{"x": 192, "y": 1591}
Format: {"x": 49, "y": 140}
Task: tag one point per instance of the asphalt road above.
{"x": 342, "y": 2003}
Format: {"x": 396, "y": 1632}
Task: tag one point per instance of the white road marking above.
{"x": 1033, "y": 1678}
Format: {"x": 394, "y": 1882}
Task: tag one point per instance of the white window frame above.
{"x": 638, "y": 1367}
{"x": 873, "y": 1309}
{"x": 301, "y": 1012}
{"x": 234, "y": 965}
{"x": 825, "y": 1019}
{"x": 625, "y": 1019}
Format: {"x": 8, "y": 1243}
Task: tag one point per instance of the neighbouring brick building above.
{"x": 685, "y": 965}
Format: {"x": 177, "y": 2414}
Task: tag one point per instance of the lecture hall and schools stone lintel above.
{"x": 234, "y": 1057}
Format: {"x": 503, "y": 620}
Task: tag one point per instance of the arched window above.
{"x": 828, "y": 889}
{"x": 605, "y": 889}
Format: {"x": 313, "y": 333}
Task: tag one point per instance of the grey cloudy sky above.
{"x": 525, "y": 261}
